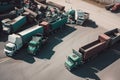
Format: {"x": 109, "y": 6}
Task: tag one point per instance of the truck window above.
{"x": 9, "y": 48}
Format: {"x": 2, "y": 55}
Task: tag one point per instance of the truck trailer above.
{"x": 16, "y": 41}
{"x": 10, "y": 26}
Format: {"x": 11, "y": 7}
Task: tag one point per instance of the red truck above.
{"x": 113, "y": 7}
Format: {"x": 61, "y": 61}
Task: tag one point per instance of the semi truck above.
{"x": 87, "y": 52}
{"x": 16, "y": 41}
{"x": 10, "y": 26}
{"x": 92, "y": 49}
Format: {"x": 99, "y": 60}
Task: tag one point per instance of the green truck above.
{"x": 37, "y": 41}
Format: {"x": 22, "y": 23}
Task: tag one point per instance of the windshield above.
{"x": 8, "y": 48}
{"x": 70, "y": 59}
{"x": 32, "y": 45}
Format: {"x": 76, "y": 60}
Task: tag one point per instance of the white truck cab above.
{"x": 6, "y": 25}
{"x": 9, "y": 49}
{"x": 15, "y": 42}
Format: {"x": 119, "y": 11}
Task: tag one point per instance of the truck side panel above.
{"x": 28, "y": 33}
{"x": 58, "y": 23}
{"x": 20, "y": 21}
{"x": 94, "y": 47}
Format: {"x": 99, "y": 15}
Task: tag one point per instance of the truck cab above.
{"x": 6, "y": 25}
{"x": 9, "y": 49}
{"x": 14, "y": 43}
{"x": 35, "y": 43}
{"x": 73, "y": 60}
{"x": 81, "y": 17}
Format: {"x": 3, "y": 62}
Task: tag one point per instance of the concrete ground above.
{"x": 49, "y": 63}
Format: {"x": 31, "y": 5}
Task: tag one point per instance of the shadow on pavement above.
{"x": 47, "y": 50}
{"x": 102, "y": 61}
{"x": 22, "y": 55}
{"x": 90, "y": 23}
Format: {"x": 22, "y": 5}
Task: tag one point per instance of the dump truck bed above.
{"x": 94, "y": 47}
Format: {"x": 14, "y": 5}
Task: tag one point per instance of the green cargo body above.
{"x": 58, "y": 23}
{"x": 18, "y": 23}
{"x": 28, "y": 33}
{"x": 6, "y": 7}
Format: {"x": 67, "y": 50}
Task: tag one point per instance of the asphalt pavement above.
{"x": 48, "y": 64}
